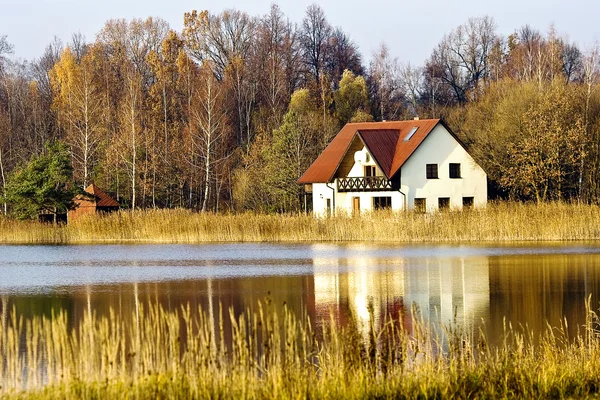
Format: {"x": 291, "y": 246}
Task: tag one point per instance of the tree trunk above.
{"x": 3, "y": 183}
{"x": 133, "y": 157}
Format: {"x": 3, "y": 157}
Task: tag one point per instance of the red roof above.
{"x": 102, "y": 199}
{"x": 384, "y": 140}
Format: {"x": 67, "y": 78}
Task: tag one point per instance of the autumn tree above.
{"x": 80, "y": 103}
{"x": 545, "y": 163}
{"x": 267, "y": 180}
{"x": 276, "y": 63}
{"x": 351, "y": 99}
{"x": 165, "y": 116}
{"x": 4, "y": 127}
{"x": 226, "y": 40}
{"x": 210, "y": 132}
{"x": 127, "y": 147}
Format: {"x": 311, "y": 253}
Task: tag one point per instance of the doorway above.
{"x": 356, "y": 205}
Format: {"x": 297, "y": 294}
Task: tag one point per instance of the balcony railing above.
{"x": 364, "y": 184}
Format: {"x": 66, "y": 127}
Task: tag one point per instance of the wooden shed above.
{"x": 99, "y": 201}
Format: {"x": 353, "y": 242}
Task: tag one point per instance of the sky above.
{"x": 411, "y": 29}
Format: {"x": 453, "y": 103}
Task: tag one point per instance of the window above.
{"x": 370, "y": 170}
{"x": 411, "y": 133}
{"x": 328, "y": 207}
{"x": 379, "y": 203}
{"x": 468, "y": 202}
{"x": 444, "y": 203}
{"x": 432, "y": 171}
{"x": 454, "y": 170}
{"x": 420, "y": 205}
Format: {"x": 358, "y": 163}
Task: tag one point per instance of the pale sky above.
{"x": 411, "y": 29}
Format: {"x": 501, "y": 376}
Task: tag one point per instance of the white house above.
{"x": 415, "y": 164}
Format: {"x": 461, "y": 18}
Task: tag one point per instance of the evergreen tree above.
{"x": 44, "y": 184}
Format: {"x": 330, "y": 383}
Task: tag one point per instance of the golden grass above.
{"x": 501, "y": 221}
{"x": 272, "y": 354}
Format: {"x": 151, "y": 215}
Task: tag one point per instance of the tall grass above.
{"x": 497, "y": 222}
{"x": 270, "y": 353}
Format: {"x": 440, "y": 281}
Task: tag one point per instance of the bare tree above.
{"x": 411, "y": 84}
{"x": 342, "y": 54}
{"x": 315, "y": 35}
{"x": 461, "y": 58}
{"x": 5, "y": 49}
{"x": 383, "y": 77}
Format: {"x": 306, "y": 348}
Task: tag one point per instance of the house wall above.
{"x": 441, "y": 148}
{"x": 344, "y": 201}
{"x": 84, "y": 208}
{"x": 358, "y": 169}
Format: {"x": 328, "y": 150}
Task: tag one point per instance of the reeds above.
{"x": 270, "y": 353}
{"x": 502, "y": 221}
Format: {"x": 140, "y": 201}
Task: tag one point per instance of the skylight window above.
{"x": 411, "y": 133}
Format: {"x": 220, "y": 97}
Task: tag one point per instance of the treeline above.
{"x": 228, "y": 113}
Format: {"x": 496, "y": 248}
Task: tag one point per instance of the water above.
{"x": 479, "y": 286}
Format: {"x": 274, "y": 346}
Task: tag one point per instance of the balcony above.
{"x": 364, "y": 184}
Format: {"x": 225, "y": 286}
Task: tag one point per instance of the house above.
{"x": 98, "y": 201}
{"x": 415, "y": 164}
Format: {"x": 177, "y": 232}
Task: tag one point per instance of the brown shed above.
{"x": 99, "y": 201}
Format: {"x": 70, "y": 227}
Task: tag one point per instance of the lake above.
{"x": 479, "y": 286}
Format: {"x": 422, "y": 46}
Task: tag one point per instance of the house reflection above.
{"x": 439, "y": 289}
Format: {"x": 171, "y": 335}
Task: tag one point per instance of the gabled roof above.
{"x": 101, "y": 198}
{"x": 384, "y": 140}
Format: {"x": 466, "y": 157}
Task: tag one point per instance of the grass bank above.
{"x": 272, "y": 354}
{"x": 497, "y": 222}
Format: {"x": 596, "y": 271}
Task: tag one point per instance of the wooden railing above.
{"x": 364, "y": 184}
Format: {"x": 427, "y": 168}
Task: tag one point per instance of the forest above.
{"x": 228, "y": 113}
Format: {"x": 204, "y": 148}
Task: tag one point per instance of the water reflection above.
{"x": 453, "y": 289}
{"x": 475, "y": 286}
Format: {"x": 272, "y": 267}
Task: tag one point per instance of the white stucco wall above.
{"x": 441, "y": 148}
{"x": 320, "y": 195}
{"x": 438, "y": 148}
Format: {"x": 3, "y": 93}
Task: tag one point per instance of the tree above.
{"x": 384, "y": 84}
{"x": 351, "y": 98}
{"x": 268, "y": 181}
{"x": 209, "y": 130}
{"x": 43, "y": 185}
{"x": 315, "y": 36}
{"x": 80, "y": 102}
{"x": 545, "y": 163}
{"x": 460, "y": 60}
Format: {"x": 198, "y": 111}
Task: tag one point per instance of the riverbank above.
{"x": 498, "y": 222}
{"x": 271, "y": 353}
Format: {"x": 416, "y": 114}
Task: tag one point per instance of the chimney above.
{"x": 416, "y": 118}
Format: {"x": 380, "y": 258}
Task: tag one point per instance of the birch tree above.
{"x": 210, "y": 130}
{"x": 80, "y": 103}
{"x": 131, "y": 129}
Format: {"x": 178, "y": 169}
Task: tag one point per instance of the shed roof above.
{"x": 102, "y": 199}
{"x": 384, "y": 140}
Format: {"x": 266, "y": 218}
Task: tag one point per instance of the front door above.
{"x": 356, "y": 205}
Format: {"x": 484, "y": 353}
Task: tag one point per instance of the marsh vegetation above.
{"x": 270, "y": 352}
{"x": 502, "y": 221}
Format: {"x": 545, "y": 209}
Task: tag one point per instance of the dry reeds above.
{"x": 270, "y": 353}
{"x": 497, "y": 222}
